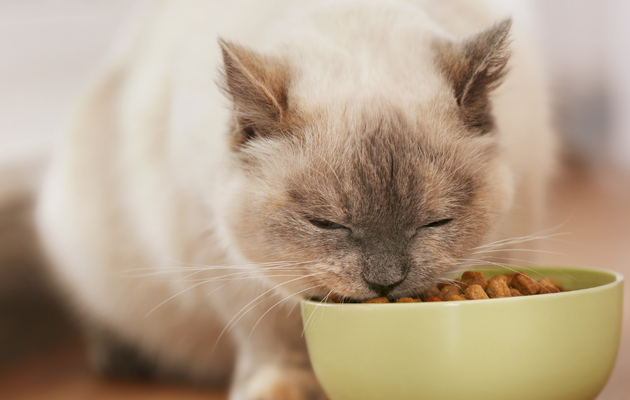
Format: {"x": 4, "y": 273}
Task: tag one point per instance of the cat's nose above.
{"x": 383, "y": 290}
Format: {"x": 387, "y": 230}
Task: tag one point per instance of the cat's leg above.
{"x": 181, "y": 349}
{"x": 113, "y": 357}
{"x": 273, "y": 362}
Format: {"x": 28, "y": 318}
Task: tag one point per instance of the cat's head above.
{"x": 373, "y": 191}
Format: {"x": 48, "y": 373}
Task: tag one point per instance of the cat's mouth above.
{"x": 421, "y": 292}
{"x": 334, "y": 298}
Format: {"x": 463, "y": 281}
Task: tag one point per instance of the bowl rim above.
{"x": 580, "y": 292}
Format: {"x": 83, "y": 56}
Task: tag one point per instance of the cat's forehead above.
{"x": 381, "y": 165}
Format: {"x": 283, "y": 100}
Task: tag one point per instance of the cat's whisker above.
{"x": 526, "y": 262}
{"x": 540, "y": 235}
{"x": 523, "y": 266}
{"x": 505, "y": 266}
{"x": 220, "y": 287}
{"x": 523, "y": 250}
{"x": 291, "y": 310}
{"x": 306, "y": 324}
{"x": 278, "y": 303}
{"x": 452, "y": 281}
{"x": 248, "y": 307}
{"x": 238, "y": 278}
{"x": 157, "y": 272}
{"x": 244, "y": 267}
{"x": 264, "y": 299}
{"x": 521, "y": 239}
{"x": 168, "y": 274}
{"x": 184, "y": 291}
{"x": 172, "y": 297}
{"x": 249, "y": 270}
{"x": 208, "y": 267}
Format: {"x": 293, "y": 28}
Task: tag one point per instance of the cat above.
{"x": 235, "y": 157}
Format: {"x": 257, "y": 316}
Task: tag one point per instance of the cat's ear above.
{"x": 475, "y": 67}
{"x": 257, "y": 85}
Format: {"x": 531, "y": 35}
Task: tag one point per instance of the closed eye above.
{"x": 325, "y": 224}
{"x": 437, "y": 223}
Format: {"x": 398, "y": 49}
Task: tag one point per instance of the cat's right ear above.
{"x": 475, "y": 66}
{"x": 257, "y": 85}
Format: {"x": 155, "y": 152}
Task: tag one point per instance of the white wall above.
{"x": 48, "y": 50}
{"x": 617, "y": 36}
{"x": 587, "y": 49}
{"x": 50, "y": 47}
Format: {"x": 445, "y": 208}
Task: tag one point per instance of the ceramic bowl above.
{"x": 553, "y": 346}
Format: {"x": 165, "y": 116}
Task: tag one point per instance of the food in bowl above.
{"x": 565, "y": 344}
{"x": 473, "y": 285}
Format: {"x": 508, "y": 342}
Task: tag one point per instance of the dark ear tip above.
{"x": 226, "y": 47}
{"x": 505, "y": 24}
{"x": 223, "y": 42}
{"x": 501, "y": 30}
{"x": 494, "y": 39}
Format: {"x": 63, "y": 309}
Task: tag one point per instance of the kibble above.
{"x": 470, "y": 278}
{"x": 525, "y": 284}
{"x": 551, "y": 283}
{"x": 377, "y": 300}
{"x": 433, "y": 292}
{"x": 408, "y": 300}
{"x": 473, "y": 285}
{"x": 449, "y": 291}
{"x": 498, "y": 288}
{"x": 476, "y": 292}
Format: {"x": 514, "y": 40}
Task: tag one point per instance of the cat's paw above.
{"x": 280, "y": 383}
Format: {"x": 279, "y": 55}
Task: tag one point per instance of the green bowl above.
{"x": 554, "y": 346}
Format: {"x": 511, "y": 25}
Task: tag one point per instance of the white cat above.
{"x": 359, "y": 148}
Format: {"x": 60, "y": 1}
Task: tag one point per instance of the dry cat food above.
{"x": 473, "y": 285}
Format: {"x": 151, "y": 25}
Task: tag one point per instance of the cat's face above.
{"x": 368, "y": 198}
{"x": 382, "y": 208}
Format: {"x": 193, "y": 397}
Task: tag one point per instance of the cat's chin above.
{"x": 333, "y": 299}
{"x": 336, "y": 298}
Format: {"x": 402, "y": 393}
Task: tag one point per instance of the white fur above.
{"x": 141, "y": 177}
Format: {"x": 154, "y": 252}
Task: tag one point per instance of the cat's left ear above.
{"x": 475, "y": 67}
{"x": 258, "y": 87}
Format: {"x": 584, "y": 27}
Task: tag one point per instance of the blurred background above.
{"x": 50, "y": 48}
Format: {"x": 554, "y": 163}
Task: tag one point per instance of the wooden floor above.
{"x": 62, "y": 374}
{"x": 595, "y": 207}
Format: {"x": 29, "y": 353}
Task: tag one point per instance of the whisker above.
{"x": 285, "y": 267}
{"x": 248, "y": 307}
{"x": 534, "y": 263}
{"x": 172, "y": 297}
{"x": 511, "y": 241}
{"x": 241, "y": 277}
{"x": 278, "y": 303}
{"x": 524, "y": 250}
{"x": 505, "y": 266}
{"x": 252, "y": 269}
{"x": 454, "y": 282}
{"x": 306, "y": 324}
{"x": 523, "y": 267}
{"x": 535, "y": 236}
{"x": 162, "y": 270}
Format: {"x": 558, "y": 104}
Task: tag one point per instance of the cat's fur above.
{"x": 381, "y": 116}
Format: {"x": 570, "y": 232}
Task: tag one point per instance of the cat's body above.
{"x": 158, "y": 176}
